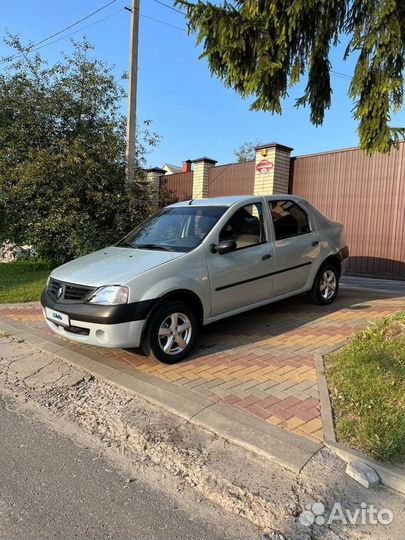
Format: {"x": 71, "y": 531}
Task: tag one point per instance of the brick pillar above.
{"x": 201, "y": 177}
{"x": 272, "y": 172}
{"x": 153, "y": 176}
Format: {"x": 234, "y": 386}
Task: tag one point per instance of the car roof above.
{"x": 232, "y": 199}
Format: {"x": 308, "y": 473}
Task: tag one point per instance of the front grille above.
{"x": 53, "y": 287}
{"x": 77, "y": 293}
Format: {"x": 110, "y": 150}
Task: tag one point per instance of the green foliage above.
{"x": 62, "y": 159}
{"x": 367, "y": 385}
{"x": 262, "y": 47}
{"x": 22, "y": 281}
{"x": 246, "y": 152}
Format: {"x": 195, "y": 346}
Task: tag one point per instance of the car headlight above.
{"x": 48, "y": 280}
{"x": 110, "y": 295}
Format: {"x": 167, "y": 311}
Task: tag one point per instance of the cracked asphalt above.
{"x": 52, "y": 487}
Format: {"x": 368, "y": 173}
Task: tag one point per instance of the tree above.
{"x": 262, "y": 47}
{"x": 62, "y": 159}
{"x": 246, "y": 152}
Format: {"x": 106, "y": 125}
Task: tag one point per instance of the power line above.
{"x": 34, "y": 48}
{"x": 67, "y": 35}
{"x": 34, "y": 45}
{"x": 163, "y": 22}
{"x": 79, "y": 30}
{"x": 341, "y": 74}
{"x": 168, "y": 6}
{"x": 158, "y": 20}
{"x": 73, "y": 24}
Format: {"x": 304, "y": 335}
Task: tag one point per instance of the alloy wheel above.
{"x": 175, "y": 333}
{"x": 328, "y": 284}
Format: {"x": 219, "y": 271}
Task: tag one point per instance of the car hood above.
{"x": 112, "y": 266}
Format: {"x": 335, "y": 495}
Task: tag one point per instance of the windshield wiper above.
{"x": 154, "y": 246}
{"x": 126, "y": 244}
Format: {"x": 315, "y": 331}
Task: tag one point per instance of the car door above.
{"x": 243, "y": 276}
{"x": 296, "y": 245}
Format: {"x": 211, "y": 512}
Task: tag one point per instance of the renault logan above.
{"x": 193, "y": 263}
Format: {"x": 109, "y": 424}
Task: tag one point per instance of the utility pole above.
{"x": 132, "y": 90}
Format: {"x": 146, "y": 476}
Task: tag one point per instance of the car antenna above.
{"x": 209, "y": 183}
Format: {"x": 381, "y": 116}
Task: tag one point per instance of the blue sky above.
{"x": 193, "y": 112}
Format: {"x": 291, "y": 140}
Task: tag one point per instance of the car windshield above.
{"x": 180, "y": 228}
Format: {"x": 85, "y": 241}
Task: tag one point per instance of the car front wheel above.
{"x": 171, "y": 333}
{"x": 326, "y": 285}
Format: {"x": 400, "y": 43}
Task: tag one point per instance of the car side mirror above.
{"x": 223, "y": 247}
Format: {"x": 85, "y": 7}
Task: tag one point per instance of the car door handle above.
{"x": 315, "y": 243}
{"x": 266, "y": 256}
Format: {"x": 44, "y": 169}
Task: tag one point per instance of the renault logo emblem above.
{"x": 59, "y": 293}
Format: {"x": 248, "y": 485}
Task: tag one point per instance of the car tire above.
{"x": 326, "y": 285}
{"x": 163, "y": 339}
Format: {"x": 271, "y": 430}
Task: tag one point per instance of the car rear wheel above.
{"x": 326, "y": 285}
{"x": 171, "y": 333}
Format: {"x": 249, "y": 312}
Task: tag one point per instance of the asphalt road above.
{"x": 52, "y": 486}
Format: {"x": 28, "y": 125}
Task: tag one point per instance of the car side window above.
{"x": 289, "y": 219}
{"x": 246, "y": 227}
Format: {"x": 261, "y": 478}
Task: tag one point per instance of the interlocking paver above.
{"x": 307, "y": 403}
{"x": 212, "y": 384}
{"x": 286, "y": 384}
{"x": 195, "y": 383}
{"x": 312, "y": 425}
{"x": 207, "y": 392}
{"x": 261, "y": 362}
{"x": 289, "y": 402}
{"x": 292, "y": 423}
{"x": 242, "y": 394}
{"x": 258, "y": 393}
{"x": 280, "y": 394}
{"x": 279, "y": 412}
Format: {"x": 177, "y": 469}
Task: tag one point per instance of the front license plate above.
{"x": 57, "y": 317}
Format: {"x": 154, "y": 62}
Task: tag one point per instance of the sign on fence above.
{"x": 264, "y": 166}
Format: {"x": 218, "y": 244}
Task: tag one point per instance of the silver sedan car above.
{"x": 193, "y": 263}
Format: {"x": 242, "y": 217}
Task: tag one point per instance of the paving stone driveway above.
{"x": 262, "y": 361}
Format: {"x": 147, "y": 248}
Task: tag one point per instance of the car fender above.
{"x": 171, "y": 285}
{"x": 188, "y": 273}
{"x": 324, "y": 255}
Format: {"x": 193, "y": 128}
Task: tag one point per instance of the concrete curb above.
{"x": 20, "y": 304}
{"x": 390, "y": 286}
{"x": 388, "y": 292}
{"x": 271, "y": 442}
{"x": 326, "y": 407}
{"x": 390, "y": 475}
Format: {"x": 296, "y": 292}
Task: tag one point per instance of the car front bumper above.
{"x": 102, "y": 335}
{"x": 103, "y": 326}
